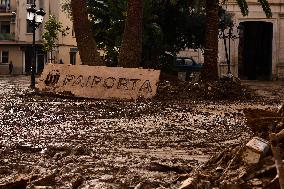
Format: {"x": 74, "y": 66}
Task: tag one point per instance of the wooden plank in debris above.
{"x": 99, "y": 81}
{"x": 277, "y": 154}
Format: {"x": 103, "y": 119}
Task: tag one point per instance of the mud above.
{"x": 60, "y": 142}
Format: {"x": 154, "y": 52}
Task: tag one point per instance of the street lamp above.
{"x": 35, "y": 18}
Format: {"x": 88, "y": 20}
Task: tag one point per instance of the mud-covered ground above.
{"x": 85, "y": 143}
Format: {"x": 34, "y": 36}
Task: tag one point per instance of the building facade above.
{"x": 258, "y": 51}
{"x": 257, "y": 48}
{"x": 16, "y": 37}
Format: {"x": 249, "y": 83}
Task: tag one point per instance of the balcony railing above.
{"x": 7, "y": 36}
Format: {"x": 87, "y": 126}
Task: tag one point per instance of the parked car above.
{"x": 187, "y": 68}
{"x": 187, "y": 64}
{"x": 182, "y": 67}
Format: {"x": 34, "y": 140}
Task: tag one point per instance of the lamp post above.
{"x": 35, "y": 18}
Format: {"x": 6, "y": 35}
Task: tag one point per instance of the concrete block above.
{"x": 188, "y": 183}
{"x": 99, "y": 82}
{"x": 254, "y": 150}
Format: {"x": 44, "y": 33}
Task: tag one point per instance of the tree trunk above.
{"x": 131, "y": 48}
{"x": 84, "y": 36}
{"x": 210, "y": 71}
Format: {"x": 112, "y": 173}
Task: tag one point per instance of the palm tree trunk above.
{"x": 210, "y": 71}
{"x": 86, "y": 43}
{"x": 131, "y": 47}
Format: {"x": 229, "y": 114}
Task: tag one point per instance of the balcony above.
{"x": 7, "y": 36}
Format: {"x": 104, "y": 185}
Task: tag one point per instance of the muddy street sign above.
{"x": 99, "y": 81}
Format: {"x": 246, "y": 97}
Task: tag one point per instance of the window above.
{"x": 4, "y": 57}
{"x": 5, "y": 2}
{"x": 5, "y": 27}
{"x": 30, "y": 2}
{"x": 73, "y": 58}
{"x": 4, "y": 5}
{"x": 29, "y": 27}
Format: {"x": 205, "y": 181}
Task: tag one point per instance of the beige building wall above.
{"x": 65, "y": 43}
{"x": 22, "y": 40}
{"x": 16, "y": 56}
{"x": 281, "y": 35}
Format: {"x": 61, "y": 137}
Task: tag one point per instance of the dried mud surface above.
{"x": 55, "y": 142}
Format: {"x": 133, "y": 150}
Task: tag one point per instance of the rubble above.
{"x": 77, "y": 181}
{"x": 18, "y": 182}
{"x": 278, "y": 153}
{"x": 188, "y": 183}
{"x": 247, "y": 166}
{"x": 262, "y": 122}
{"x": 215, "y": 90}
{"x": 281, "y": 110}
{"x": 155, "y": 166}
{"x": 4, "y": 170}
{"x": 254, "y": 150}
{"x": 45, "y": 180}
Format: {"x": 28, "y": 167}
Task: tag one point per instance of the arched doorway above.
{"x": 255, "y": 50}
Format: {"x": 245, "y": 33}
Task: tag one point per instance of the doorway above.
{"x": 40, "y": 63}
{"x": 40, "y": 60}
{"x": 73, "y": 58}
{"x": 255, "y": 50}
{"x": 28, "y": 59}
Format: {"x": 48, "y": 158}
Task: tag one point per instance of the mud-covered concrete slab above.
{"x": 99, "y": 81}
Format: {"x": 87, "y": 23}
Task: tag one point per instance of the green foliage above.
{"x": 52, "y": 29}
{"x": 266, "y": 8}
{"x": 244, "y": 7}
{"x": 66, "y": 6}
{"x": 168, "y": 26}
{"x": 107, "y": 18}
{"x": 183, "y": 25}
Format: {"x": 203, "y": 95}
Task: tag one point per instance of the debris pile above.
{"x": 257, "y": 164}
{"x": 170, "y": 89}
{"x": 264, "y": 122}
